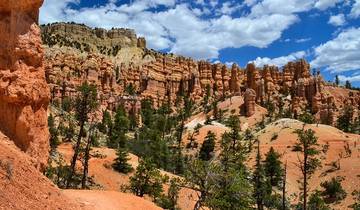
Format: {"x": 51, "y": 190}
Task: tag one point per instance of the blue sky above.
{"x": 325, "y": 32}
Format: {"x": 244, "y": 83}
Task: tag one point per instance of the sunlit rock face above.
{"x": 24, "y": 94}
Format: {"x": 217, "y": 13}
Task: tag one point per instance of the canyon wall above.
{"x": 162, "y": 77}
{"x": 24, "y": 94}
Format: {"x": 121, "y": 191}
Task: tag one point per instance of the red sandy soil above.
{"x": 110, "y": 200}
{"x": 101, "y": 171}
{"x": 23, "y": 187}
{"x": 337, "y": 140}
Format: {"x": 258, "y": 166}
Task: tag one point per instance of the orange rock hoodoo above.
{"x": 24, "y": 94}
{"x": 162, "y": 77}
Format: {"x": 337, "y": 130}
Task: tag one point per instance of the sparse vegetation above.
{"x": 333, "y": 191}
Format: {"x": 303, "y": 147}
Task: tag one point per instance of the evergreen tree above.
{"x": 262, "y": 188}
{"x": 344, "y": 121}
{"x": 147, "y": 180}
{"x": 121, "y": 126}
{"x": 316, "y": 202}
{"x": 170, "y": 200}
{"x": 337, "y": 80}
{"x": 272, "y": 167}
{"x": 333, "y": 191}
{"x": 121, "y": 162}
{"x": 86, "y": 157}
{"x": 54, "y": 139}
{"x": 201, "y": 177}
{"x": 147, "y": 112}
{"x": 85, "y": 103}
{"x": 130, "y": 89}
{"x": 347, "y": 84}
{"x": 208, "y": 146}
{"x": 106, "y": 123}
{"x": 307, "y": 118}
{"x": 306, "y": 144}
{"x": 232, "y": 189}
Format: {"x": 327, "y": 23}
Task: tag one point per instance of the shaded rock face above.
{"x": 24, "y": 94}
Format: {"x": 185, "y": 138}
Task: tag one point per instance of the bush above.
{"x": 333, "y": 191}
{"x": 316, "y": 202}
{"x": 307, "y": 118}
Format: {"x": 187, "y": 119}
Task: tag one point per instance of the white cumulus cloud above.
{"x": 340, "y": 54}
{"x": 355, "y": 10}
{"x": 199, "y": 29}
{"x": 279, "y": 61}
{"x": 337, "y": 20}
{"x": 324, "y": 4}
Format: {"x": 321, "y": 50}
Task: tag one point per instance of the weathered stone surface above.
{"x": 249, "y": 102}
{"x": 24, "y": 94}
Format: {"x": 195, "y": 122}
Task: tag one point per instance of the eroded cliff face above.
{"x": 162, "y": 77}
{"x": 24, "y": 94}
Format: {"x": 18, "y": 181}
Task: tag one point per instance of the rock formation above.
{"x": 87, "y": 39}
{"x": 249, "y": 102}
{"x": 24, "y": 94}
{"x": 163, "y": 77}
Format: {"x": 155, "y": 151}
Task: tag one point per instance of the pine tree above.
{"x": 170, "y": 200}
{"x": 121, "y": 126}
{"x": 337, "y": 80}
{"x": 316, "y": 202}
{"x": 147, "y": 180}
{"x": 232, "y": 188}
{"x": 86, "y": 158}
{"x": 106, "y": 123}
{"x": 262, "y": 188}
{"x": 333, "y": 191}
{"x": 121, "y": 162}
{"x": 272, "y": 167}
{"x": 345, "y": 119}
{"x": 208, "y": 146}
{"x": 347, "y": 84}
{"x": 306, "y": 144}
{"x": 54, "y": 139}
{"x": 85, "y": 103}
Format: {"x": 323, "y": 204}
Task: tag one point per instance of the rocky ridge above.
{"x": 162, "y": 77}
